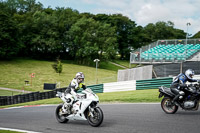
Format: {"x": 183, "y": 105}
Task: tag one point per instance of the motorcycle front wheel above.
{"x": 97, "y": 119}
{"x": 167, "y": 106}
{"x": 59, "y": 116}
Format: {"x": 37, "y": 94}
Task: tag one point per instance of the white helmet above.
{"x": 80, "y": 77}
{"x": 189, "y": 73}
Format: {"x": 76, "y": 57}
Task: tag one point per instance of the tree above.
{"x": 58, "y": 66}
{"x": 65, "y": 18}
{"x": 88, "y": 38}
{"x": 27, "y": 27}
{"x": 125, "y": 32}
{"x": 9, "y": 38}
{"x": 50, "y": 28}
{"x": 197, "y": 35}
{"x": 163, "y": 30}
{"x": 45, "y": 39}
{"x": 141, "y": 38}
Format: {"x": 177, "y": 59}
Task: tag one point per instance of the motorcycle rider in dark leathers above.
{"x": 179, "y": 83}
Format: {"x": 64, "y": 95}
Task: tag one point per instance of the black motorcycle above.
{"x": 190, "y": 101}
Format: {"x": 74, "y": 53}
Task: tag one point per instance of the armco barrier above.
{"x": 99, "y": 88}
{"x": 120, "y": 86}
{"x": 95, "y": 88}
{"x": 34, "y": 96}
{"x": 153, "y": 83}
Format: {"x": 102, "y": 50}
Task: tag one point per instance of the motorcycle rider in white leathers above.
{"x": 71, "y": 91}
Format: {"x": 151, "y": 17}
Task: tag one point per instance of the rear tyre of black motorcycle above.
{"x": 167, "y": 106}
{"x": 97, "y": 119}
{"x": 60, "y": 118}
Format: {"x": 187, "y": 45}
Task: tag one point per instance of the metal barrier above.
{"x": 152, "y": 53}
{"x": 153, "y": 83}
{"x": 95, "y": 88}
{"x": 99, "y": 88}
{"x": 34, "y": 96}
{"x": 120, "y": 86}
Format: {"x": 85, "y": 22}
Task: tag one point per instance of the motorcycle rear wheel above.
{"x": 60, "y": 118}
{"x": 167, "y": 106}
{"x": 97, "y": 119}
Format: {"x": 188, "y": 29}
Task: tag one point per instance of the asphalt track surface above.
{"x": 118, "y": 118}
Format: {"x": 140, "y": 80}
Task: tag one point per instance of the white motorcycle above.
{"x": 85, "y": 108}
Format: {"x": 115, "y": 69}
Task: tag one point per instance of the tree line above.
{"x": 27, "y": 29}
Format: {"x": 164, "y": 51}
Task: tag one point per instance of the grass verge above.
{"x": 7, "y": 131}
{"x": 131, "y": 96}
{"x": 15, "y": 72}
{"x": 125, "y": 63}
{"x": 9, "y": 93}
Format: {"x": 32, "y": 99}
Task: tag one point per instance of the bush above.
{"x": 58, "y": 66}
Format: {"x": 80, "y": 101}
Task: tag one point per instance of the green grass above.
{"x": 122, "y": 97}
{"x": 6, "y": 131}
{"x": 109, "y": 66}
{"x": 131, "y": 96}
{"x": 15, "y": 72}
{"x": 8, "y": 93}
{"x": 125, "y": 63}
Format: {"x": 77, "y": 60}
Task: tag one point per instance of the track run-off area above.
{"x": 118, "y": 118}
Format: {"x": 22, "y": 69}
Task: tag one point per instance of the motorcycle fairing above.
{"x": 165, "y": 90}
